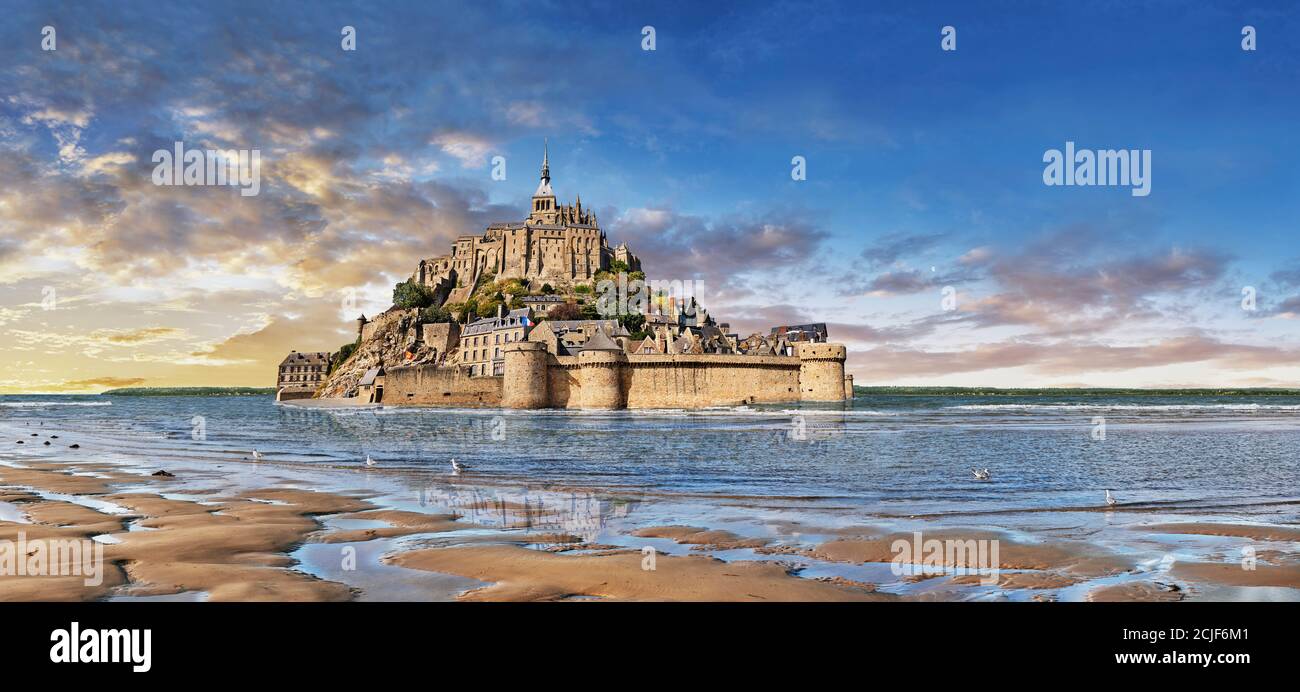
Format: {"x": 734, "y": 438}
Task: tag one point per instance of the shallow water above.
{"x": 360, "y": 565}
{"x": 792, "y": 474}
{"x": 883, "y": 455}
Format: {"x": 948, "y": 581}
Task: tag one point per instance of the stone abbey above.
{"x": 558, "y": 244}
{"x": 554, "y": 346}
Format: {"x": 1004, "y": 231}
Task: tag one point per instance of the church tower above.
{"x": 544, "y": 207}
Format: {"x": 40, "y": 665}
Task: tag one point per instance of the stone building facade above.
{"x": 559, "y": 244}
{"x": 303, "y": 369}
{"x": 301, "y": 374}
{"x": 482, "y": 342}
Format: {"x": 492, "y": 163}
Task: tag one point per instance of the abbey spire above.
{"x": 544, "y": 187}
{"x": 544, "y": 209}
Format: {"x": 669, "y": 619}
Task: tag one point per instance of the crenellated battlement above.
{"x": 611, "y": 379}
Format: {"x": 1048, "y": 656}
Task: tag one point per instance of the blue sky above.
{"x": 924, "y": 172}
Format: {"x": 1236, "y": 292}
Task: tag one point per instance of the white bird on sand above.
{"x": 257, "y": 456}
{"x": 456, "y": 467}
{"x": 980, "y": 475}
{"x": 1110, "y": 500}
{"x": 369, "y": 461}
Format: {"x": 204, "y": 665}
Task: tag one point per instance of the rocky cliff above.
{"x": 395, "y": 340}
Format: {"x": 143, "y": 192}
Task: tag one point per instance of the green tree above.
{"x": 455, "y": 308}
{"x": 514, "y": 287}
{"x": 435, "y": 314}
{"x": 344, "y": 353}
{"x": 409, "y": 294}
{"x": 618, "y": 266}
{"x": 633, "y": 322}
{"x": 564, "y": 312}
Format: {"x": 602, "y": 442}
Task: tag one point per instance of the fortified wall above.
{"x": 430, "y": 385}
{"x": 610, "y": 379}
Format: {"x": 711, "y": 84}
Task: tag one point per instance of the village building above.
{"x": 540, "y": 305}
{"x": 371, "y": 387}
{"x": 569, "y": 337}
{"x": 483, "y": 341}
{"x": 646, "y": 347}
{"x": 300, "y": 374}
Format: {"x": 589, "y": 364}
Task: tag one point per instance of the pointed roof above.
{"x": 641, "y": 346}
{"x": 600, "y": 341}
{"x": 544, "y": 187}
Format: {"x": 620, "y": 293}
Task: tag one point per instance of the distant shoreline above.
{"x": 191, "y": 391}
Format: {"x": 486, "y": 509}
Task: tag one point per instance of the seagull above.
{"x": 456, "y": 467}
{"x": 257, "y": 456}
{"x": 1110, "y": 500}
{"x": 369, "y": 461}
{"x": 980, "y": 475}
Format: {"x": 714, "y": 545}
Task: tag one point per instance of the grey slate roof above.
{"x": 600, "y": 341}
{"x": 296, "y": 358}
{"x": 369, "y": 377}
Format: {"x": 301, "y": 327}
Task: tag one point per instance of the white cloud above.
{"x": 470, "y": 149}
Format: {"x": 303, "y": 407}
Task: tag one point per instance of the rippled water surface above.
{"x": 882, "y": 454}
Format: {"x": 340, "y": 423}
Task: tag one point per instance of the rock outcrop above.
{"x": 394, "y": 339}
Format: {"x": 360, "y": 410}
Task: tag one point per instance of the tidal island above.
{"x": 537, "y": 314}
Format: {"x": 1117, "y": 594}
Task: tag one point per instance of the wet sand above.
{"x": 519, "y": 574}
{"x": 1251, "y": 531}
{"x": 1059, "y": 557}
{"x": 232, "y": 549}
{"x": 700, "y": 538}
{"x": 197, "y": 536}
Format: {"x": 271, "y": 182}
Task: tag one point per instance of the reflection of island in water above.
{"x": 579, "y": 515}
{"x": 812, "y": 430}
{"x": 370, "y": 425}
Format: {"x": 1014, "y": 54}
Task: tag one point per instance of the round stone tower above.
{"x": 526, "y": 383}
{"x": 601, "y": 363}
{"x": 821, "y": 372}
